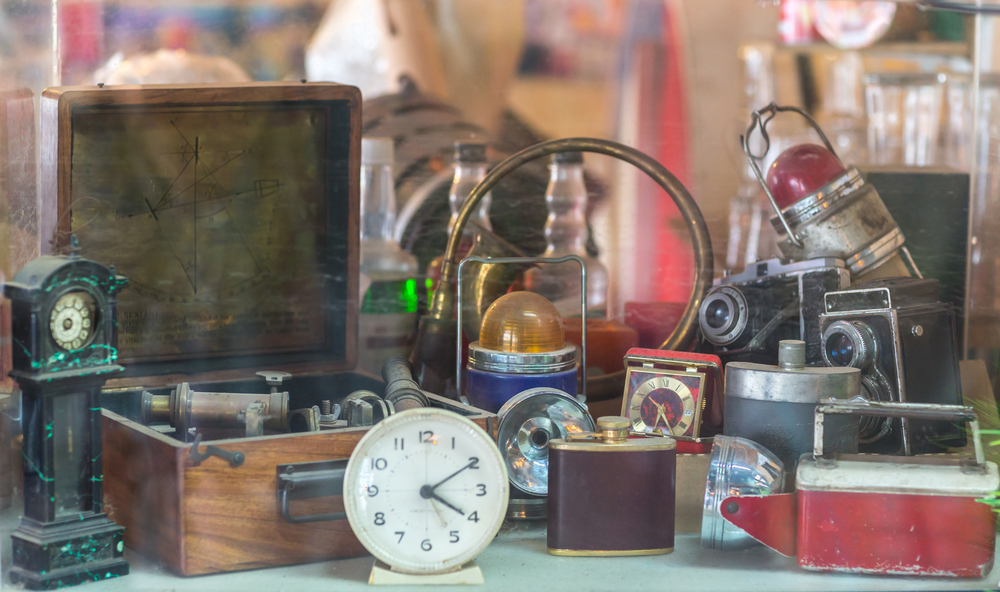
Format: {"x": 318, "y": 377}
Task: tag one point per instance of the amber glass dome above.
{"x": 522, "y": 322}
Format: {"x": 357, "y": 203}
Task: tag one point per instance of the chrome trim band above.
{"x": 489, "y": 360}
{"x": 822, "y": 199}
{"x": 876, "y": 253}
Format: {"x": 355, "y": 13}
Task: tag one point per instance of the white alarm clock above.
{"x": 425, "y": 491}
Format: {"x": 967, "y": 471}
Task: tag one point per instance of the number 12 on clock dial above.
{"x": 425, "y": 491}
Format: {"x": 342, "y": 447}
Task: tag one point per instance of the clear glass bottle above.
{"x": 388, "y": 314}
{"x": 470, "y": 168}
{"x": 842, "y": 116}
{"x": 566, "y": 234}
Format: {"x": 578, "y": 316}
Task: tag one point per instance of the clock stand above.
{"x": 467, "y": 575}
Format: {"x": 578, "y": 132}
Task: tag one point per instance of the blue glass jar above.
{"x": 494, "y": 377}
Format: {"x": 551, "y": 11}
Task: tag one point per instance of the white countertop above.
{"x": 517, "y": 561}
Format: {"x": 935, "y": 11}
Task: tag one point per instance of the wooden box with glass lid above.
{"x": 233, "y": 212}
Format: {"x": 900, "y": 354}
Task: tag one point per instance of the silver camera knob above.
{"x": 849, "y": 344}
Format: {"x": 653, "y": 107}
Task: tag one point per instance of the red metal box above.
{"x": 882, "y": 514}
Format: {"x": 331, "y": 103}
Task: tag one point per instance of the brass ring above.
{"x": 684, "y": 332}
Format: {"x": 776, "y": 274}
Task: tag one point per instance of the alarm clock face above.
{"x": 666, "y": 403}
{"x": 73, "y": 319}
{"x": 425, "y": 490}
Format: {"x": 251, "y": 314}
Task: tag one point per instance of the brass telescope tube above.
{"x": 184, "y": 408}
{"x": 438, "y": 323}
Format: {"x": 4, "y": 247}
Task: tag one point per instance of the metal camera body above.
{"x": 903, "y": 340}
{"x": 772, "y": 300}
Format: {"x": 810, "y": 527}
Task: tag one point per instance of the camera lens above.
{"x": 849, "y": 343}
{"x": 722, "y": 316}
{"x": 840, "y": 349}
{"x": 717, "y": 314}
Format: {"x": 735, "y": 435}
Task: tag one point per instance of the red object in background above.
{"x": 796, "y": 23}
{"x": 654, "y": 321}
{"x": 800, "y": 171}
{"x": 703, "y": 447}
{"x": 607, "y": 342}
{"x": 675, "y": 257}
{"x": 81, "y": 33}
{"x": 176, "y": 33}
{"x": 687, "y": 446}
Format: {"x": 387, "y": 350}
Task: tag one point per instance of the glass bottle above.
{"x": 566, "y": 234}
{"x": 842, "y": 116}
{"x": 388, "y": 314}
{"x": 470, "y": 168}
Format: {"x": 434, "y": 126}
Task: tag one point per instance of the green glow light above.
{"x": 37, "y": 470}
{"x": 409, "y": 295}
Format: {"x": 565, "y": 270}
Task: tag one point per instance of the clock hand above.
{"x": 439, "y": 483}
{"x": 438, "y": 512}
{"x": 659, "y": 412}
{"x": 437, "y": 497}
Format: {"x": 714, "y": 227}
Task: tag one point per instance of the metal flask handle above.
{"x": 929, "y": 411}
{"x": 582, "y": 397}
{"x": 759, "y": 120}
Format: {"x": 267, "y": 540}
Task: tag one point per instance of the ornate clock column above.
{"x": 65, "y": 333}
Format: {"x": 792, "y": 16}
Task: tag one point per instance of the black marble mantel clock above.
{"x": 65, "y": 333}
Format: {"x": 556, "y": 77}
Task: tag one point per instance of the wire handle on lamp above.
{"x": 759, "y": 120}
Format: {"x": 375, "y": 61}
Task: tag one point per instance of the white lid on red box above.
{"x": 897, "y": 475}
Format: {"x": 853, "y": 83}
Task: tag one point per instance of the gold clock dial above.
{"x": 72, "y": 320}
{"x": 663, "y": 403}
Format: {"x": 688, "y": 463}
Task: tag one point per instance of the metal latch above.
{"x": 309, "y": 480}
{"x": 235, "y": 458}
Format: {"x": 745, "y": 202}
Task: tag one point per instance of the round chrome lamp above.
{"x": 527, "y": 422}
{"x": 738, "y": 467}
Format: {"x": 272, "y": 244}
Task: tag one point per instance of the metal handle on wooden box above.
{"x": 311, "y": 480}
{"x": 957, "y": 413}
{"x": 234, "y": 457}
{"x": 759, "y": 120}
{"x": 582, "y": 397}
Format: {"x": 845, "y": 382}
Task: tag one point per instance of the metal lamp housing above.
{"x": 738, "y": 467}
{"x": 846, "y": 219}
{"x": 527, "y": 422}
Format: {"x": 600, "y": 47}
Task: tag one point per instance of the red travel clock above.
{"x": 667, "y": 391}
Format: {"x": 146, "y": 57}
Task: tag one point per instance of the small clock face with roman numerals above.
{"x": 662, "y": 402}
{"x": 425, "y": 491}
{"x": 72, "y": 321}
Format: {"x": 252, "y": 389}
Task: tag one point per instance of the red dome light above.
{"x": 800, "y": 171}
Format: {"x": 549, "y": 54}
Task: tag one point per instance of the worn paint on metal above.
{"x": 884, "y": 533}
